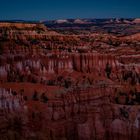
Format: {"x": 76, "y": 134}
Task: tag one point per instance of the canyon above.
{"x": 68, "y": 86}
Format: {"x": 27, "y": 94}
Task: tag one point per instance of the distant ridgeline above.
{"x": 22, "y": 25}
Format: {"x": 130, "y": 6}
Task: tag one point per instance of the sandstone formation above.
{"x": 68, "y": 87}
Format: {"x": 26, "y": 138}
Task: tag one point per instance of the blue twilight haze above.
{"x": 61, "y": 9}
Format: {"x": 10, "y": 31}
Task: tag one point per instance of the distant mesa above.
{"x": 126, "y": 21}
{"x": 21, "y": 25}
{"x": 85, "y": 21}
{"x": 137, "y": 20}
{"x": 71, "y": 21}
{"x": 20, "y": 29}
{"x": 80, "y": 21}
{"x": 60, "y": 21}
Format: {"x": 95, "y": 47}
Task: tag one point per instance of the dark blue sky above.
{"x": 60, "y": 9}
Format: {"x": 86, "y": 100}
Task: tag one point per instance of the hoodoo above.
{"x": 64, "y": 85}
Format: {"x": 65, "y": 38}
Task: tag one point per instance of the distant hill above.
{"x": 118, "y": 26}
{"x": 89, "y": 21}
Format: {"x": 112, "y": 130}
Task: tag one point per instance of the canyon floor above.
{"x": 67, "y": 83}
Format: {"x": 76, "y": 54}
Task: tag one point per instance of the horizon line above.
{"x": 39, "y": 20}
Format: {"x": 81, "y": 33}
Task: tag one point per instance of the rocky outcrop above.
{"x": 59, "y": 62}
{"x": 67, "y": 87}
{"x": 89, "y": 114}
{"x": 13, "y": 115}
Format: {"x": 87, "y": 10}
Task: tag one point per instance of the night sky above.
{"x": 62, "y": 9}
